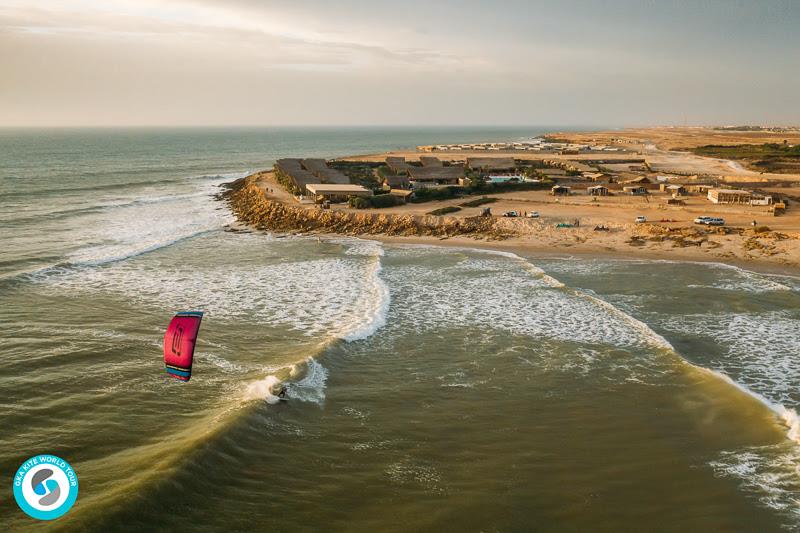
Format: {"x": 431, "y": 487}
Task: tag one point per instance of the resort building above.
{"x": 701, "y": 188}
{"x": 554, "y": 173}
{"x": 403, "y": 194}
{"x": 298, "y": 177}
{"x": 760, "y": 199}
{"x": 596, "y": 176}
{"x": 597, "y": 190}
{"x": 430, "y": 161}
{"x": 335, "y": 192}
{"x": 729, "y": 196}
{"x": 314, "y": 165}
{"x": 319, "y": 168}
{"x": 673, "y": 188}
{"x": 420, "y": 177}
{"x": 399, "y": 181}
{"x": 397, "y": 164}
{"x": 641, "y": 180}
{"x": 493, "y": 165}
{"x": 635, "y": 190}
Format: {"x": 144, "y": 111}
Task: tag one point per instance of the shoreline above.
{"x": 255, "y": 208}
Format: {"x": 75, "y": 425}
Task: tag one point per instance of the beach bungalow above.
{"x": 701, "y": 188}
{"x": 403, "y": 194}
{"x": 597, "y": 190}
{"x": 430, "y": 161}
{"x": 641, "y": 180}
{"x": 493, "y": 165}
{"x": 334, "y": 192}
{"x": 673, "y": 188}
{"x": 314, "y": 165}
{"x": 554, "y": 173}
{"x": 397, "y": 164}
{"x": 634, "y": 190}
{"x": 760, "y": 199}
{"x": 434, "y": 176}
{"x": 290, "y": 169}
{"x": 397, "y": 181}
{"x": 560, "y": 190}
{"x": 596, "y": 176}
{"x": 729, "y": 196}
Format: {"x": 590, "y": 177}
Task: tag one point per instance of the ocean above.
{"x": 429, "y": 388}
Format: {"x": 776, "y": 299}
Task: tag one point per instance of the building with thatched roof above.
{"x": 292, "y": 170}
{"x": 314, "y": 165}
{"x": 428, "y": 176}
{"x": 399, "y": 181}
{"x": 430, "y": 161}
{"x": 397, "y": 164}
{"x": 330, "y": 175}
{"x": 491, "y": 164}
{"x": 335, "y": 192}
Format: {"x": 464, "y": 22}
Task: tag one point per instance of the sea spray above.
{"x": 263, "y": 389}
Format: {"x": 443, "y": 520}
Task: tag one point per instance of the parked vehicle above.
{"x": 511, "y": 214}
{"x": 710, "y": 221}
{"x": 533, "y": 214}
{"x": 641, "y": 220}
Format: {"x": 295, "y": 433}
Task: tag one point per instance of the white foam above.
{"x": 263, "y": 389}
{"x": 311, "y": 388}
{"x": 736, "y": 278}
{"x": 759, "y": 349}
{"x": 498, "y": 294}
{"x": 375, "y": 308}
{"x": 770, "y": 472}
{"x": 332, "y": 297}
{"x": 146, "y": 224}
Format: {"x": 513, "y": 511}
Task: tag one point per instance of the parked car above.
{"x": 641, "y": 220}
{"x": 533, "y": 214}
{"x": 511, "y": 214}
{"x": 710, "y": 221}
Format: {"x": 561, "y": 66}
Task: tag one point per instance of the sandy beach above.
{"x": 777, "y": 247}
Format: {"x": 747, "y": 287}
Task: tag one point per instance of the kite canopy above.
{"x": 179, "y": 343}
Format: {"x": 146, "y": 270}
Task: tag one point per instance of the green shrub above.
{"x": 445, "y": 210}
{"x": 358, "y": 203}
{"x": 439, "y": 193}
{"x": 478, "y": 201}
{"x": 385, "y": 200}
{"x": 378, "y": 201}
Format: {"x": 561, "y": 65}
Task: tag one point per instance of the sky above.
{"x": 442, "y": 62}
